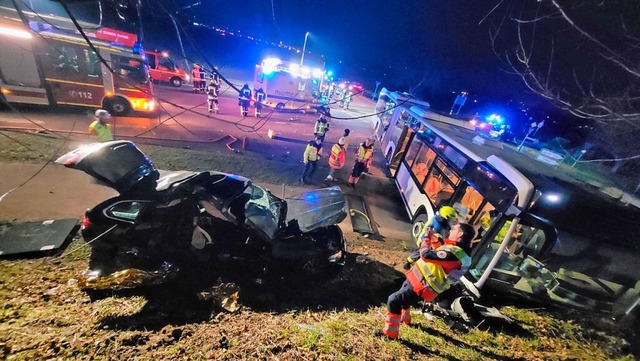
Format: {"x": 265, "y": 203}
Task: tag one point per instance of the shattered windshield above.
{"x": 263, "y": 211}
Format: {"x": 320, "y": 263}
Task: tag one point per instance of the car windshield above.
{"x": 262, "y": 211}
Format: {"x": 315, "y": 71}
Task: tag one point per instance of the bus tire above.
{"x": 280, "y": 106}
{"x": 176, "y": 82}
{"x": 118, "y": 107}
{"x": 417, "y": 225}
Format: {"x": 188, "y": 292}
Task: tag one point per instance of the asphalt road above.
{"x": 183, "y": 116}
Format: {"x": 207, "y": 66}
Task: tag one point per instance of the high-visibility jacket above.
{"x": 212, "y": 91}
{"x": 437, "y": 270}
{"x": 195, "y": 74}
{"x": 321, "y": 127}
{"x": 364, "y": 153}
{"x": 103, "y": 131}
{"x": 337, "y": 157}
{"x": 259, "y": 96}
{"x": 312, "y": 152}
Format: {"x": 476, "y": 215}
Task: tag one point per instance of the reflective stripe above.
{"x": 435, "y": 276}
{"x": 391, "y": 325}
{"x": 334, "y": 158}
{"x": 364, "y": 154}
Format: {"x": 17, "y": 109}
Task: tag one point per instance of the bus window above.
{"x": 439, "y": 187}
{"x": 470, "y": 205}
{"x": 131, "y": 68}
{"x": 414, "y": 147}
{"x": 423, "y": 162}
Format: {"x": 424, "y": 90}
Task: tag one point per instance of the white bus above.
{"x": 432, "y": 169}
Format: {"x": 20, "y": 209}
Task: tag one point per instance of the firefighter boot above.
{"x": 391, "y": 327}
{"x": 406, "y": 316}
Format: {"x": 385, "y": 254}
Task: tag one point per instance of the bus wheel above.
{"x": 280, "y": 106}
{"x": 417, "y": 226}
{"x": 176, "y": 82}
{"x": 118, "y": 107}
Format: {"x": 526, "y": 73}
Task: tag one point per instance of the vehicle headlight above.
{"x": 187, "y": 78}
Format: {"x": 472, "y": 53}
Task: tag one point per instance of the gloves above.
{"x": 406, "y": 266}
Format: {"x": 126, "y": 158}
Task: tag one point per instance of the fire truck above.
{"x": 42, "y": 64}
{"x": 288, "y": 85}
{"x": 165, "y": 70}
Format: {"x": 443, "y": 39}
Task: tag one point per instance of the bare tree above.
{"x": 582, "y": 56}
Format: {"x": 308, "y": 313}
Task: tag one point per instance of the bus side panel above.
{"x": 19, "y": 76}
{"x": 411, "y": 193}
{"x": 73, "y": 72}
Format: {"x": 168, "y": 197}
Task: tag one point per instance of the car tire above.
{"x": 118, "y": 107}
{"x": 417, "y": 225}
{"x": 280, "y": 106}
{"x": 176, "y": 82}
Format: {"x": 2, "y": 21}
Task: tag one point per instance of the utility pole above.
{"x": 304, "y": 47}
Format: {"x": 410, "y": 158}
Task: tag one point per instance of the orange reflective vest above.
{"x": 437, "y": 270}
{"x": 337, "y": 157}
{"x": 364, "y": 153}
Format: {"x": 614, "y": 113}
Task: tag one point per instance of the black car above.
{"x": 163, "y": 221}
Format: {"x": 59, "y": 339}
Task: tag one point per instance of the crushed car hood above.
{"x": 317, "y": 208}
{"x": 118, "y": 164}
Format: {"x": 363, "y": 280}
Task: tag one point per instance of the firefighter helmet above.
{"x": 447, "y": 212}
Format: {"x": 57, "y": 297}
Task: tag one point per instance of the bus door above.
{"x": 73, "y": 73}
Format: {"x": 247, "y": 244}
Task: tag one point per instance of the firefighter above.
{"x": 347, "y": 100}
{"x": 244, "y": 99}
{"x": 364, "y": 153}
{"x": 440, "y": 224}
{"x": 336, "y": 158}
{"x": 100, "y": 126}
{"x": 195, "y": 75}
{"x": 203, "y": 79}
{"x": 212, "y": 95}
{"x": 321, "y": 127}
{"x": 259, "y": 97}
{"x": 312, "y": 154}
{"x": 434, "y": 271}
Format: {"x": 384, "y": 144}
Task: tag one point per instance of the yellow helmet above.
{"x": 447, "y": 212}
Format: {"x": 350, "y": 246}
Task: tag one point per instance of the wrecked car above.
{"x": 162, "y": 222}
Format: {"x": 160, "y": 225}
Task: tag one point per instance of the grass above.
{"x": 44, "y": 315}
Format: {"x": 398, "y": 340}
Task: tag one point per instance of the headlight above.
{"x": 187, "y": 78}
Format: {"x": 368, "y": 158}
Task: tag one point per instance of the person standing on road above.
{"x": 212, "y": 95}
{"x": 195, "y": 76}
{"x": 363, "y": 156}
{"x": 259, "y": 97}
{"x": 336, "y": 159}
{"x": 346, "y": 138}
{"x": 347, "y": 100}
{"x": 100, "y": 126}
{"x": 244, "y": 97}
{"x": 434, "y": 271}
{"x": 310, "y": 159}
{"x": 203, "y": 79}
{"x": 321, "y": 127}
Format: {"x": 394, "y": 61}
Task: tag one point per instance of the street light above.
{"x": 304, "y": 46}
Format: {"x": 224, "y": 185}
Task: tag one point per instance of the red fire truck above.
{"x": 40, "y": 64}
{"x": 163, "y": 69}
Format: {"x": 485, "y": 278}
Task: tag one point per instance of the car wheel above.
{"x": 280, "y": 106}
{"x": 417, "y": 226}
{"x": 176, "y": 82}
{"x": 118, "y": 107}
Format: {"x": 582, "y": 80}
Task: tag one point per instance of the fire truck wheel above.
{"x": 176, "y": 82}
{"x": 118, "y": 107}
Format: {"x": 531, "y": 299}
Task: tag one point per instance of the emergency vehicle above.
{"x": 42, "y": 64}
{"x": 165, "y": 70}
{"x": 288, "y": 85}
